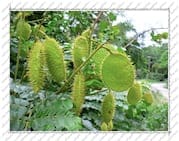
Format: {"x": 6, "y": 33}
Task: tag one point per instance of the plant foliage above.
{"x": 81, "y": 78}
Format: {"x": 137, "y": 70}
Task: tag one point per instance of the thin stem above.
{"x": 92, "y": 29}
{"x": 108, "y": 50}
{"x": 27, "y": 122}
{"x": 95, "y": 22}
{"x": 97, "y": 92}
{"x": 140, "y": 34}
{"x": 17, "y": 60}
{"x": 43, "y": 19}
{"x": 34, "y": 21}
{"x": 80, "y": 67}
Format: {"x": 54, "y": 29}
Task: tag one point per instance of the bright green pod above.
{"x": 99, "y": 57}
{"x": 104, "y": 127}
{"x": 148, "y": 98}
{"x": 108, "y": 108}
{"x": 134, "y": 94}
{"x": 78, "y": 92}
{"x": 118, "y": 73}
{"x": 80, "y": 51}
{"x": 36, "y": 63}
{"x": 55, "y": 60}
{"x": 23, "y": 30}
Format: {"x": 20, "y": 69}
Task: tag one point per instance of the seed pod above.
{"x": 104, "y": 127}
{"x": 80, "y": 51}
{"x": 134, "y": 94}
{"x": 148, "y": 98}
{"x": 23, "y": 30}
{"x": 108, "y": 108}
{"x": 118, "y": 72}
{"x": 55, "y": 60}
{"x": 99, "y": 57}
{"x": 78, "y": 92}
{"x": 36, "y": 63}
{"x": 110, "y": 125}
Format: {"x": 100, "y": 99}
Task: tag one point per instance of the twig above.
{"x": 108, "y": 50}
{"x": 95, "y": 22}
{"x": 27, "y": 122}
{"x": 92, "y": 30}
{"x": 97, "y": 92}
{"x": 34, "y": 21}
{"x": 140, "y": 34}
{"x": 40, "y": 25}
{"x": 17, "y": 60}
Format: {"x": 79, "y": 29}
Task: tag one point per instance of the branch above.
{"x": 140, "y": 34}
{"x": 95, "y": 22}
{"x": 92, "y": 29}
{"x": 34, "y": 21}
{"x": 145, "y": 31}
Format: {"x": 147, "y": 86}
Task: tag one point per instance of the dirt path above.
{"x": 160, "y": 88}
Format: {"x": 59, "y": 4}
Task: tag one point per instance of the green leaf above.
{"x": 112, "y": 16}
{"x": 16, "y": 125}
{"x": 115, "y": 29}
{"x": 17, "y": 111}
{"x": 103, "y": 25}
{"x": 61, "y": 122}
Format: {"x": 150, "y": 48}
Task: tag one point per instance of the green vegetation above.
{"x": 77, "y": 71}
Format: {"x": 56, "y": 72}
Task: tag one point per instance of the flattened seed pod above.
{"x": 118, "y": 72}
{"x": 108, "y": 108}
{"x": 104, "y": 127}
{"x": 80, "y": 51}
{"x": 99, "y": 57}
{"x": 55, "y": 60}
{"x": 36, "y": 63}
{"x": 23, "y": 30}
{"x": 78, "y": 92}
{"x": 134, "y": 94}
{"x": 148, "y": 98}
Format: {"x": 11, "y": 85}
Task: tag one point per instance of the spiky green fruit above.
{"x": 110, "y": 125}
{"x": 108, "y": 108}
{"x": 36, "y": 63}
{"x": 80, "y": 51}
{"x": 134, "y": 94}
{"x": 148, "y": 98}
{"x": 78, "y": 92}
{"x": 118, "y": 73}
{"x": 23, "y": 30}
{"x": 55, "y": 60}
{"x": 99, "y": 57}
{"x": 104, "y": 127}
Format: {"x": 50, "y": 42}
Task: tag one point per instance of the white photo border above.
{"x": 172, "y": 9}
